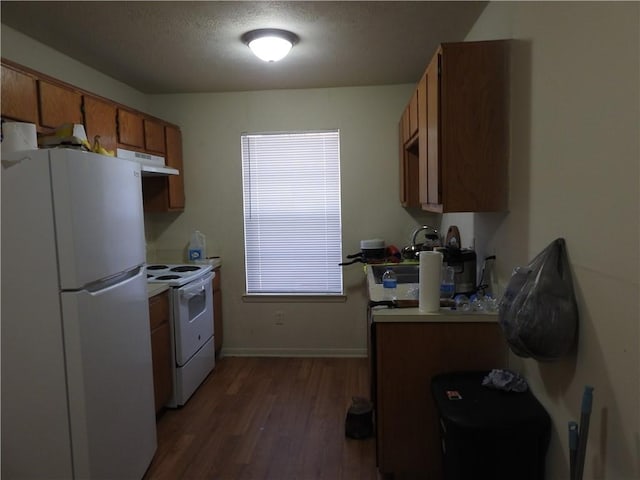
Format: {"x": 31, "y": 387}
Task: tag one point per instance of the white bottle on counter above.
{"x": 197, "y": 247}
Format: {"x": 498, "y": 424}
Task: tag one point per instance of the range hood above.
{"x": 149, "y": 164}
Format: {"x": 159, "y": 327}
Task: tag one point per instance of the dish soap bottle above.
{"x": 197, "y": 247}
{"x": 390, "y": 284}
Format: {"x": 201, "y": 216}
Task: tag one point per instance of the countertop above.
{"x": 214, "y": 262}
{"x": 444, "y": 315}
{"x": 154, "y": 289}
{"x": 409, "y": 291}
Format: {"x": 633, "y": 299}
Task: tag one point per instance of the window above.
{"x": 292, "y": 222}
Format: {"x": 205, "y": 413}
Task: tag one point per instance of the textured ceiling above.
{"x": 178, "y": 47}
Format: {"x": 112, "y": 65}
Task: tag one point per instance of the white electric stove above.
{"x": 192, "y": 335}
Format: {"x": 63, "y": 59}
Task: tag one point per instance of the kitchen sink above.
{"x": 405, "y": 273}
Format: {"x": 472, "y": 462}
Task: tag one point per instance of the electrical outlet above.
{"x": 279, "y": 317}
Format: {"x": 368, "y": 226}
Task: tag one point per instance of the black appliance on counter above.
{"x": 463, "y": 261}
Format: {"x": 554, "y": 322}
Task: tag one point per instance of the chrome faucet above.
{"x": 420, "y": 229}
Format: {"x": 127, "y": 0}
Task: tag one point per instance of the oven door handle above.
{"x": 188, "y": 294}
{"x": 197, "y": 288}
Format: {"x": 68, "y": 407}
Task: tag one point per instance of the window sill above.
{"x": 275, "y": 298}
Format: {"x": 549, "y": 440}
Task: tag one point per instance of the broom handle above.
{"x": 587, "y": 401}
{"x": 573, "y": 446}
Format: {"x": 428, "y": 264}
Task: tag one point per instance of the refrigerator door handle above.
{"x": 105, "y": 284}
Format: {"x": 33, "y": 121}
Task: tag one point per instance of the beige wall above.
{"x": 211, "y": 124}
{"x": 575, "y": 174}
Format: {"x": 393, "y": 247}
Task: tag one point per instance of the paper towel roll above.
{"x": 429, "y": 293}
{"x": 18, "y": 136}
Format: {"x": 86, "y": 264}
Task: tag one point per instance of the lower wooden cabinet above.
{"x": 217, "y": 311}
{"x": 161, "y": 348}
{"x": 407, "y": 356}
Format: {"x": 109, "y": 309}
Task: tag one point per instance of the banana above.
{"x": 97, "y": 148}
{"x": 64, "y": 130}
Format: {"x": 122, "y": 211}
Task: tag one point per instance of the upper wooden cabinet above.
{"x": 19, "y": 96}
{"x": 166, "y": 193}
{"x": 154, "y": 136}
{"x": 99, "y": 120}
{"x": 130, "y": 129}
{"x": 174, "y": 159}
{"x": 29, "y": 96}
{"x": 58, "y": 105}
{"x": 430, "y": 171}
{"x": 463, "y": 134}
{"x": 409, "y": 119}
{"x": 141, "y": 132}
{"x": 413, "y": 113}
{"x": 409, "y": 128}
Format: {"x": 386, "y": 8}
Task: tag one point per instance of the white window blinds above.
{"x": 292, "y": 222}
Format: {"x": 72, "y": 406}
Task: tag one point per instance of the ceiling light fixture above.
{"x": 270, "y": 44}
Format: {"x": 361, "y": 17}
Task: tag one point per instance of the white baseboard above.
{"x": 294, "y": 352}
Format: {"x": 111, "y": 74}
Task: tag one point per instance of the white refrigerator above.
{"x": 77, "y": 385}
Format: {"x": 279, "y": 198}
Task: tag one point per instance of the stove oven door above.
{"x": 193, "y": 317}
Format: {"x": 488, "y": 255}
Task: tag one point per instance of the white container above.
{"x": 429, "y": 293}
{"x": 197, "y": 247}
{"x": 18, "y": 136}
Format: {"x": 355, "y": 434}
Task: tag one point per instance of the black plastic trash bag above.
{"x": 538, "y": 312}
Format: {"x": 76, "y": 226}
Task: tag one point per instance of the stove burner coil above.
{"x": 157, "y": 267}
{"x": 185, "y": 268}
{"x": 168, "y": 277}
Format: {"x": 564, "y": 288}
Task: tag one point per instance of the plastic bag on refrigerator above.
{"x": 538, "y": 312}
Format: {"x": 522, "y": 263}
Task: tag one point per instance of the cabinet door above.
{"x": 130, "y": 129}
{"x": 414, "y": 109}
{"x": 176, "y": 198}
{"x": 58, "y": 105}
{"x": 403, "y": 167}
{"x": 100, "y": 120}
{"x": 154, "y": 140}
{"x": 422, "y": 140}
{"x": 160, "y": 348}
{"x": 434, "y": 170}
{"x": 19, "y": 96}
{"x": 407, "y": 356}
{"x": 474, "y": 136}
{"x": 161, "y": 355}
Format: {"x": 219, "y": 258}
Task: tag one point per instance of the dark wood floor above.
{"x": 267, "y": 419}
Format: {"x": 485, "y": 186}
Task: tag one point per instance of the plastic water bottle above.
{"x": 197, "y": 247}
{"x": 447, "y": 285}
{"x": 390, "y": 284}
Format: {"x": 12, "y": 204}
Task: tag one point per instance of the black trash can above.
{"x": 488, "y": 433}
